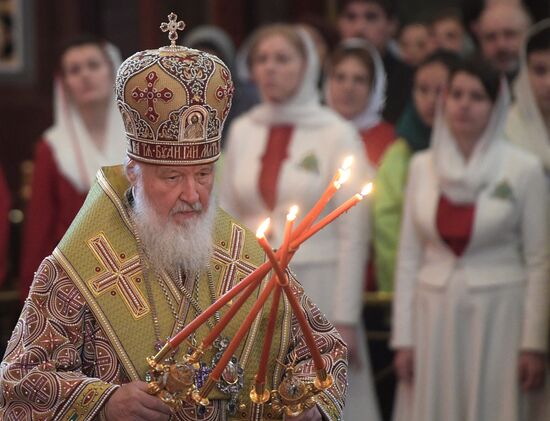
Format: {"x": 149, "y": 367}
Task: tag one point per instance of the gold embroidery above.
{"x": 91, "y": 396}
{"x": 232, "y": 258}
{"x": 120, "y": 274}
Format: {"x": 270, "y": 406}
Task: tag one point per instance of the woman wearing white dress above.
{"x": 471, "y": 308}
{"x": 284, "y": 152}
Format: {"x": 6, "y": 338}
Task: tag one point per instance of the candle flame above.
{"x": 366, "y": 190}
{"x": 343, "y": 176}
{"x": 347, "y": 162}
{"x": 263, "y": 228}
{"x": 291, "y": 216}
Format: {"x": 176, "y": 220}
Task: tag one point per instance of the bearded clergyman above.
{"x": 147, "y": 253}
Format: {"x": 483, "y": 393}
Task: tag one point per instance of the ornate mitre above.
{"x": 174, "y": 102}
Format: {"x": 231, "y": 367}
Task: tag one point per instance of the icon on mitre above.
{"x": 194, "y": 127}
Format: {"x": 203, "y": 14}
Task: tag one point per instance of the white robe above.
{"x": 467, "y": 318}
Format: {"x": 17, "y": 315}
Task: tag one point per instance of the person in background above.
{"x": 86, "y": 135}
{"x": 215, "y": 40}
{"x": 528, "y": 126}
{"x": 249, "y": 94}
{"x": 501, "y": 30}
{"x": 413, "y": 131}
{"x": 375, "y": 21}
{"x": 356, "y": 89}
{"x": 448, "y": 32}
{"x": 5, "y": 204}
{"x": 528, "y": 123}
{"x": 293, "y": 146}
{"x": 415, "y": 43}
{"x": 470, "y": 314}
{"x": 325, "y": 37}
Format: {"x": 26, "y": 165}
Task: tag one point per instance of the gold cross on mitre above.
{"x": 172, "y": 26}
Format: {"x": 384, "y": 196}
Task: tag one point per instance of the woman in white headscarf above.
{"x": 87, "y": 133}
{"x": 356, "y": 89}
{"x": 284, "y": 152}
{"x": 470, "y": 313}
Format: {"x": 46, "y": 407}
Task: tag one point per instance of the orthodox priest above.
{"x": 147, "y": 253}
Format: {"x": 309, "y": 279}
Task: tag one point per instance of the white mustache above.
{"x": 186, "y": 207}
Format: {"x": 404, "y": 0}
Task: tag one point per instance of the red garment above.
{"x": 376, "y": 141}
{"x": 276, "y": 151}
{"x": 455, "y": 224}
{"x": 5, "y": 203}
{"x": 53, "y": 205}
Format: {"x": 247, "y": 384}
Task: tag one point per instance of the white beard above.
{"x": 171, "y": 246}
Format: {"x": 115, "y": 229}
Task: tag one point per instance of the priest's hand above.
{"x": 131, "y": 402}
{"x": 312, "y": 414}
{"x": 351, "y": 338}
{"x": 531, "y": 370}
{"x": 404, "y": 364}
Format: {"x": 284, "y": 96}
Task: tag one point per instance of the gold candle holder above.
{"x": 259, "y": 395}
{"x": 323, "y": 380}
{"x": 201, "y": 396}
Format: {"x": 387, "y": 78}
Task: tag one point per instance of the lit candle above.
{"x": 290, "y": 218}
{"x": 341, "y": 176}
{"x": 260, "y": 235}
{"x": 254, "y": 279}
{"x": 344, "y": 207}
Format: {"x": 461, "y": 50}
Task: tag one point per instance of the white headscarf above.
{"x": 461, "y": 180}
{"x": 525, "y": 126}
{"x": 304, "y": 107}
{"x": 372, "y": 114}
{"x": 77, "y": 156}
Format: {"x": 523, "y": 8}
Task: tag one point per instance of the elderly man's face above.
{"x": 177, "y": 193}
{"x": 502, "y": 29}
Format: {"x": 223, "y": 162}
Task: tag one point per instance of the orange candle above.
{"x": 304, "y": 326}
{"x": 241, "y": 332}
{"x": 344, "y": 207}
{"x": 339, "y": 178}
{"x": 290, "y": 218}
{"x": 269, "y": 251}
{"x": 260, "y": 376}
